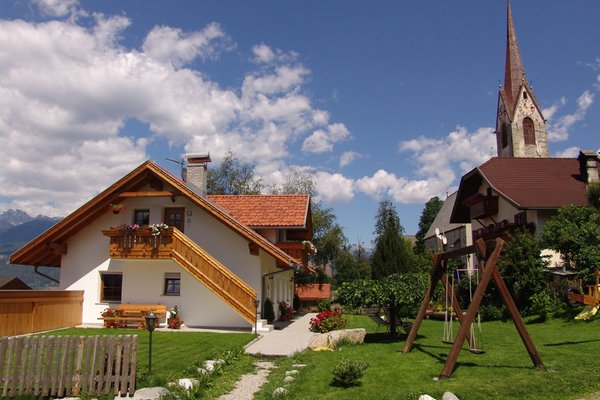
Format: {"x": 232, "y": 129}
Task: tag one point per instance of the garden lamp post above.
{"x": 150, "y": 326}
{"x": 256, "y": 304}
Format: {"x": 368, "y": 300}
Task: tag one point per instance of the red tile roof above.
{"x": 266, "y": 210}
{"x": 313, "y": 291}
{"x": 527, "y": 183}
{"x": 536, "y": 182}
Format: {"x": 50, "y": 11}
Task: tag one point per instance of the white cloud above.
{"x": 333, "y": 188}
{"x": 550, "y": 111}
{"x": 167, "y": 44}
{"x": 67, "y": 90}
{"x": 322, "y": 140}
{"x": 569, "y": 152}
{"x": 56, "y": 8}
{"x": 263, "y": 53}
{"x": 559, "y": 130}
{"x": 348, "y": 157}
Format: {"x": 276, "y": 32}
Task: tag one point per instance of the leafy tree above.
{"x": 575, "y": 233}
{"x": 328, "y": 236}
{"x": 296, "y": 181}
{"x": 593, "y": 194}
{"x": 351, "y": 264}
{"x": 431, "y": 210}
{"x": 400, "y": 294}
{"x": 233, "y": 177}
{"x": 392, "y": 252}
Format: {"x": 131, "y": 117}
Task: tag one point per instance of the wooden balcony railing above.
{"x": 296, "y": 250}
{"x": 173, "y": 244}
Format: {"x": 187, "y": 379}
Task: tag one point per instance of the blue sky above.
{"x": 382, "y": 99}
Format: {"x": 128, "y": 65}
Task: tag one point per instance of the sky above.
{"x": 378, "y": 100}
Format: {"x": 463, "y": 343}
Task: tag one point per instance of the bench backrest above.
{"x": 158, "y": 309}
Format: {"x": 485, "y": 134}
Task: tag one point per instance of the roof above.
{"x": 313, "y": 291}
{"x": 261, "y": 211}
{"x": 41, "y": 250}
{"x": 442, "y": 219}
{"x": 526, "y": 183}
{"x": 12, "y": 282}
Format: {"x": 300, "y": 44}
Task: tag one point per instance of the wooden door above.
{"x": 175, "y": 217}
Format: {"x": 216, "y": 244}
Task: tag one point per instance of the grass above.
{"x": 175, "y": 353}
{"x": 568, "y": 349}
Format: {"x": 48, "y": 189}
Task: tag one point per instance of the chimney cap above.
{"x": 196, "y": 158}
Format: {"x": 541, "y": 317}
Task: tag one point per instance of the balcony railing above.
{"x": 296, "y": 250}
{"x": 140, "y": 243}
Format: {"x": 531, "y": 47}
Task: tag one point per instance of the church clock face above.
{"x": 526, "y": 107}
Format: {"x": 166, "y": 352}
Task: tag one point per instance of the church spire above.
{"x": 514, "y": 72}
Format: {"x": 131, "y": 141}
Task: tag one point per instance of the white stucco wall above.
{"x": 143, "y": 280}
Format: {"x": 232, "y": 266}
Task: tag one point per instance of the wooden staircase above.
{"x": 205, "y": 268}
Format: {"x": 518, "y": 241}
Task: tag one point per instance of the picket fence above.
{"x": 67, "y": 365}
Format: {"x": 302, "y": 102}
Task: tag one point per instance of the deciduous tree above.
{"x": 233, "y": 176}
{"x": 431, "y": 210}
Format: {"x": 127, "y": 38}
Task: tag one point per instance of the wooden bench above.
{"x": 136, "y": 313}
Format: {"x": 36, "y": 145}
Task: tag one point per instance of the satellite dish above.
{"x": 444, "y": 240}
{"x": 437, "y": 232}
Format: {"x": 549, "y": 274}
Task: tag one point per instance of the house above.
{"x": 457, "y": 235}
{"x": 12, "y": 283}
{"x": 204, "y": 260}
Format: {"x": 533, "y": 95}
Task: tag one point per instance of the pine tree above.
{"x": 392, "y": 251}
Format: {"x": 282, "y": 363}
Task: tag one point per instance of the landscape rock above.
{"x": 299, "y": 365}
{"x": 331, "y": 339}
{"x": 449, "y": 396}
{"x": 288, "y": 379}
{"x": 187, "y": 383}
{"x": 425, "y": 397}
{"x": 149, "y": 393}
{"x": 292, "y": 372}
{"x": 203, "y": 371}
{"x": 280, "y": 392}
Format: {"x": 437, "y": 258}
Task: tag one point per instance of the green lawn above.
{"x": 568, "y": 349}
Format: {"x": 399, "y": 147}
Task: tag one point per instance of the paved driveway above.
{"x": 285, "y": 342}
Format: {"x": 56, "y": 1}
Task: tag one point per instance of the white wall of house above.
{"x": 143, "y": 280}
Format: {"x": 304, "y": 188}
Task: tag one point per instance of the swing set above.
{"x": 489, "y": 271}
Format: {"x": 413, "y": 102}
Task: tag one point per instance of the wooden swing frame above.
{"x": 489, "y": 271}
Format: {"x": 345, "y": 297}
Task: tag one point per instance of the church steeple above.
{"x": 520, "y": 125}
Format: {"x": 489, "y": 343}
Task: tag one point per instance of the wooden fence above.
{"x": 67, "y": 365}
{"x": 27, "y": 311}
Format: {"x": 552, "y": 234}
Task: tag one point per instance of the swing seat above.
{"x": 477, "y": 351}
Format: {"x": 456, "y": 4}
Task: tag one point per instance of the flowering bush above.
{"x": 286, "y": 312}
{"x": 109, "y": 312}
{"x": 158, "y": 228}
{"x": 327, "y": 321}
{"x": 129, "y": 229}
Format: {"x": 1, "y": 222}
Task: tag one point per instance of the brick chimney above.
{"x": 195, "y": 172}
{"x": 588, "y": 161}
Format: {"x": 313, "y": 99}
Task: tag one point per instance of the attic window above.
{"x": 141, "y": 217}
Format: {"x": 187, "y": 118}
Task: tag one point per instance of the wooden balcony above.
{"x": 296, "y": 250}
{"x": 140, "y": 244}
{"x": 482, "y": 206}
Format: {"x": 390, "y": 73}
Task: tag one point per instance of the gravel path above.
{"x": 249, "y": 384}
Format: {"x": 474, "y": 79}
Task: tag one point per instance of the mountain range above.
{"x": 16, "y": 229}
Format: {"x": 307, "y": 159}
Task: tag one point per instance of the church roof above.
{"x": 526, "y": 183}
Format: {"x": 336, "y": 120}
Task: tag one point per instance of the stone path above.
{"x": 249, "y": 384}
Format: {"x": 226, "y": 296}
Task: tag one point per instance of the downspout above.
{"x": 35, "y": 269}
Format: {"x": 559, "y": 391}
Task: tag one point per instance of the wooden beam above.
{"x": 58, "y": 248}
{"x": 159, "y": 193}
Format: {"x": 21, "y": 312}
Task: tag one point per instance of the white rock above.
{"x": 288, "y": 379}
{"x": 279, "y": 392}
{"x": 426, "y": 397}
{"x": 331, "y": 339}
{"x": 449, "y": 396}
{"x": 220, "y": 362}
{"x": 203, "y": 371}
{"x": 299, "y": 365}
{"x": 187, "y": 383}
{"x": 149, "y": 393}
{"x": 292, "y": 372}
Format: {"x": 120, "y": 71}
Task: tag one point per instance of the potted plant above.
{"x": 109, "y": 312}
{"x": 116, "y": 208}
{"x": 174, "y": 321}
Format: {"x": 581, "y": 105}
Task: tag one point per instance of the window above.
{"x": 528, "y": 131}
{"x": 174, "y": 217}
{"x": 111, "y": 287}
{"x": 172, "y": 284}
{"x": 504, "y": 136}
{"x": 141, "y": 217}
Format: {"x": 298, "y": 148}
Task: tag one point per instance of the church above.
{"x": 522, "y": 186}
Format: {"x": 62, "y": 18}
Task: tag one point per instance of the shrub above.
{"x": 324, "y": 305}
{"x": 269, "y": 311}
{"x": 347, "y": 372}
{"x": 327, "y": 321}
{"x": 544, "y": 303}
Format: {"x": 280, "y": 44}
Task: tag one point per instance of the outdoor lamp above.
{"x": 256, "y": 304}
{"x": 150, "y": 326}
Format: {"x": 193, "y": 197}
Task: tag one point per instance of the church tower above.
{"x": 520, "y": 125}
